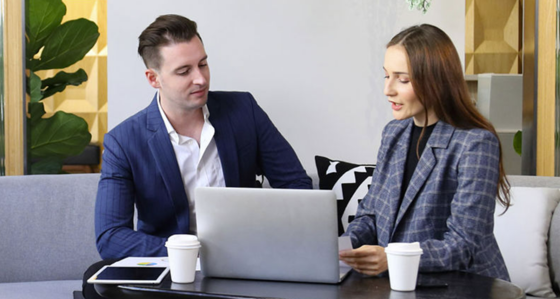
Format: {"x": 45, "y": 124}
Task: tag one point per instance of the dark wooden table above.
{"x": 459, "y": 285}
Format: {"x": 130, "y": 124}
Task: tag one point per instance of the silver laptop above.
{"x": 269, "y": 234}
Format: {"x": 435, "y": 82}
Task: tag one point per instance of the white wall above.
{"x": 315, "y": 66}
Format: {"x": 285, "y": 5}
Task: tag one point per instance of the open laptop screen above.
{"x": 270, "y": 234}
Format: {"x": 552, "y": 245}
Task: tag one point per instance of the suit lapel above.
{"x": 423, "y": 169}
{"x": 397, "y": 169}
{"x": 225, "y": 141}
{"x": 440, "y": 137}
{"x": 164, "y": 156}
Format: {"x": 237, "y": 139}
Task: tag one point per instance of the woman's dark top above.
{"x": 412, "y": 158}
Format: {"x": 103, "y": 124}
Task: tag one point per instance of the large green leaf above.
{"x": 36, "y": 111}
{"x": 62, "y": 79}
{"x": 68, "y": 44}
{"x": 59, "y": 136}
{"x": 42, "y": 17}
{"x": 34, "y": 88}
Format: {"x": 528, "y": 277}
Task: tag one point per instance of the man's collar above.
{"x": 205, "y": 112}
{"x": 168, "y": 126}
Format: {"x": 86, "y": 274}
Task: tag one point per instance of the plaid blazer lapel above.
{"x": 397, "y": 174}
{"x": 440, "y": 138}
{"x": 425, "y": 166}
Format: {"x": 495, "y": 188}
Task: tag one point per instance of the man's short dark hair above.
{"x": 166, "y": 29}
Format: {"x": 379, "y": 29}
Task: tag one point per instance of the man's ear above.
{"x": 153, "y": 78}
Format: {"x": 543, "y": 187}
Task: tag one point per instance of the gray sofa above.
{"x": 47, "y": 236}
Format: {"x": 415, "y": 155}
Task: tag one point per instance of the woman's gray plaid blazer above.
{"x": 448, "y": 206}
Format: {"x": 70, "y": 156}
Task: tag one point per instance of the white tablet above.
{"x": 125, "y": 275}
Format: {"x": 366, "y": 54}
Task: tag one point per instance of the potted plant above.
{"x": 51, "y": 44}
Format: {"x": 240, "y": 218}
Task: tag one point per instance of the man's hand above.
{"x": 368, "y": 259}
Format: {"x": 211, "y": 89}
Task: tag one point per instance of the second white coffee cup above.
{"x": 403, "y": 260}
{"x": 183, "y": 252}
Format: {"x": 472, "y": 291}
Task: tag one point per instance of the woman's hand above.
{"x": 368, "y": 259}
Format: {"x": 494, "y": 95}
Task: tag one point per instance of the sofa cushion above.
{"x": 554, "y": 250}
{"x": 350, "y": 183}
{"x": 522, "y": 234}
{"x": 50, "y": 222}
{"x": 62, "y": 289}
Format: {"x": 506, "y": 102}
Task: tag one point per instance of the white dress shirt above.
{"x": 200, "y": 166}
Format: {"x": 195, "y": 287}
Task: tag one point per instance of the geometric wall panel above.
{"x": 493, "y": 36}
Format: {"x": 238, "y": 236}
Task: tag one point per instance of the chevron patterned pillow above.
{"x": 350, "y": 183}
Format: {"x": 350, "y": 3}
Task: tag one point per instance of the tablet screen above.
{"x": 112, "y": 274}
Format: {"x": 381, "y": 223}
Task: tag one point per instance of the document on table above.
{"x": 143, "y": 261}
{"x": 148, "y": 262}
{"x": 344, "y": 243}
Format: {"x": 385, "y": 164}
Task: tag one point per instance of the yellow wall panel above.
{"x": 492, "y": 36}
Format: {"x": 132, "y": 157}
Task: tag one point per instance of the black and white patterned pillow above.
{"x": 350, "y": 183}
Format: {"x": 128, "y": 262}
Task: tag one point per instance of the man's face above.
{"x": 183, "y": 77}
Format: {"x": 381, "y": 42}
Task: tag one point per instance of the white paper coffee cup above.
{"x": 403, "y": 260}
{"x": 183, "y": 252}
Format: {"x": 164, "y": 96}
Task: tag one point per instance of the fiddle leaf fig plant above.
{"x": 51, "y": 44}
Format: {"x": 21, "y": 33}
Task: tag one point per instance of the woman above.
{"x": 439, "y": 167}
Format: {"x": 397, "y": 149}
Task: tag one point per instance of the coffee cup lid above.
{"x": 404, "y": 248}
{"x": 182, "y": 241}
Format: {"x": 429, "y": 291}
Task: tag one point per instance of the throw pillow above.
{"x": 350, "y": 183}
{"x": 522, "y": 234}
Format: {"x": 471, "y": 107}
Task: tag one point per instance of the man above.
{"x": 186, "y": 138}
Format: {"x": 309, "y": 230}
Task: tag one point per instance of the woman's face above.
{"x": 398, "y": 88}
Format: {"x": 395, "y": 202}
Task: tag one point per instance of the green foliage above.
{"x": 59, "y": 136}
{"x": 47, "y": 166}
{"x": 421, "y": 5}
{"x": 517, "y": 142}
{"x": 66, "y": 45}
{"x": 62, "y": 79}
{"x": 51, "y": 140}
{"x": 34, "y": 88}
{"x": 41, "y": 20}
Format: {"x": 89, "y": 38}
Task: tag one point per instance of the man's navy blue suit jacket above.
{"x": 139, "y": 167}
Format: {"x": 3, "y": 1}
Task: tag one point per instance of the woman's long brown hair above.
{"x": 438, "y": 82}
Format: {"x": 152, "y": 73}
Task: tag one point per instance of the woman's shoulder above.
{"x": 395, "y": 126}
{"x": 474, "y": 139}
{"x": 474, "y": 134}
